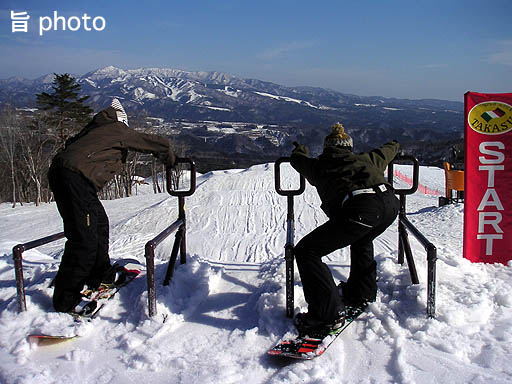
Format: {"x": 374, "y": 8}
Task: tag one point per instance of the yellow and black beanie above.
{"x": 338, "y": 138}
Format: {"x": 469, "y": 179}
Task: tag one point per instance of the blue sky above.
{"x": 394, "y": 48}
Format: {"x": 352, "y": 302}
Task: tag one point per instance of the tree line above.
{"x": 30, "y": 139}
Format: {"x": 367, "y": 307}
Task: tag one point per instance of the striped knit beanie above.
{"x": 121, "y": 114}
{"x": 338, "y": 138}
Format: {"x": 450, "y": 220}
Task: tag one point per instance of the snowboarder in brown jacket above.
{"x": 360, "y": 205}
{"x": 89, "y": 160}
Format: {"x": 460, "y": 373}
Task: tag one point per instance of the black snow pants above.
{"x": 85, "y": 260}
{"x": 357, "y": 223}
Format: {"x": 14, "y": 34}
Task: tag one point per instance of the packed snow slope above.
{"x": 226, "y": 306}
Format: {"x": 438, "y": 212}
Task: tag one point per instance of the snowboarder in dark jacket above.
{"x": 89, "y": 160}
{"x": 360, "y": 205}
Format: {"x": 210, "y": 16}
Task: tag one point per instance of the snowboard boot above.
{"x": 353, "y": 306}
{"x": 311, "y": 326}
{"x": 114, "y": 277}
{"x": 85, "y": 308}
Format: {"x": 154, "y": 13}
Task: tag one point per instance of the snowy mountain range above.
{"x": 199, "y": 96}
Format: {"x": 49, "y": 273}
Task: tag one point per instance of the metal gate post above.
{"x": 174, "y": 254}
{"x": 431, "y": 283}
{"x": 290, "y": 231}
{"x": 17, "y": 253}
{"x": 405, "y": 225}
{"x": 150, "y": 276}
{"x": 179, "y": 242}
{"x": 402, "y": 233}
{"x": 289, "y": 257}
{"x": 183, "y": 229}
{"x": 181, "y": 202}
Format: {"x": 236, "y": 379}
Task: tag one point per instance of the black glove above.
{"x": 300, "y": 149}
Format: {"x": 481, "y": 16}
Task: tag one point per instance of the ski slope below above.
{"x": 226, "y": 307}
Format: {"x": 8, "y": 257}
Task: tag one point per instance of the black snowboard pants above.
{"x": 85, "y": 259}
{"x": 357, "y": 223}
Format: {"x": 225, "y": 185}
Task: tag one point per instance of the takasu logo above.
{"x": 491, "y": 118}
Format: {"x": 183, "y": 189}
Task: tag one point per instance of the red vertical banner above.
{"x": 488, "y": 177}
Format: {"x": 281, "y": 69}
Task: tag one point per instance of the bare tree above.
{"x": 37, "y": 149}
{"x": 9, "y": 137}
{"x": 129, "y": 172}
{"x": 154, "y": 176}
{"x": 179, "y": 170}
{"x": 176, "y": 176}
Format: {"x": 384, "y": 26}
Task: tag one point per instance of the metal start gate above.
{"x": 404, "y": 225}
{"x": 179, "y": 243}
{"x": 180, "y": 240}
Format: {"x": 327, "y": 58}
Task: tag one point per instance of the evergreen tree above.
{"x": 64, "y": 109}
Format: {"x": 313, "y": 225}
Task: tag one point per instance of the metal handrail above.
{"x": 277, "y": 179}
{"x": 168, "y": 175}
{"x": 150, "y": 262}
{"x": 180, "y": 244}
{"x": 17, "y": 254}
{"x": 415, "y": 174}
{"x": 403, "y": 239}
{"x": 290, "y": 230}
{"x": 431, "y": 265}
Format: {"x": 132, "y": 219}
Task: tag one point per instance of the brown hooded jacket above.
{"x": 99, "y": 150}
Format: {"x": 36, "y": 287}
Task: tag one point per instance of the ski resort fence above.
{"x": 421, "y": 188}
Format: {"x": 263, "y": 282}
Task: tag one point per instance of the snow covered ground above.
{"x": 226, "y": 307}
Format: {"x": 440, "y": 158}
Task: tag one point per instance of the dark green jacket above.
{"x": 100, "y": 149}
{"x": 338, "y": 171}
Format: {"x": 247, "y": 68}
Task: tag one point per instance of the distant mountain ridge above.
{"x": 178, "y": 94}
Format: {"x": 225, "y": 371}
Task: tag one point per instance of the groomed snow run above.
{"x": 226, "y": 306}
